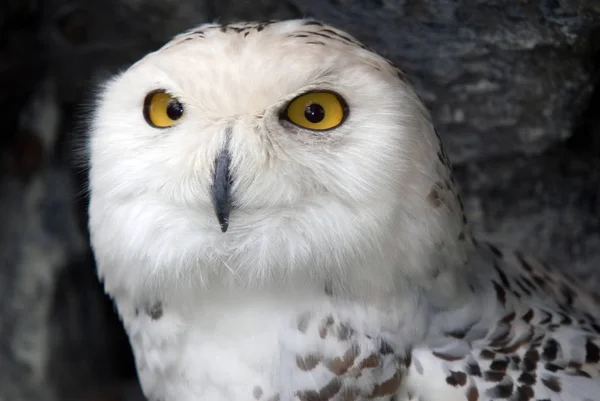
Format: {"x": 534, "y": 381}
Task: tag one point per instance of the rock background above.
{"x": 512, "y": 84}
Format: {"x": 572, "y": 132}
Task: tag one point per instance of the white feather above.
{"x": 367, "y": 210}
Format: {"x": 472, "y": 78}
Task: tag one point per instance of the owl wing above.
{"x": 544, "y": 344}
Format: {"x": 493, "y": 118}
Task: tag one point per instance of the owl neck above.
{"x": 447, "y": 272}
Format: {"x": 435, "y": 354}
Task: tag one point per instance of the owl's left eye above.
{"x": 318, "y": 110}
{"x": 162, "y": 110}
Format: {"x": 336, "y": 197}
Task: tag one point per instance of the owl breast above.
{"x": 215, "y": 346}
{"x": 265, "y": 346}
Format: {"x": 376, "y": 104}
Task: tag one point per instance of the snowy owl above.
{"x": 275, "y": 218}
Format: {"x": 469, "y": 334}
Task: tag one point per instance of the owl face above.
{"x": 277, "y": 145}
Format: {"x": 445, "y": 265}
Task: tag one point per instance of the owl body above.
{"x": 273, "y": 213}
{"x": 240, "y": 346}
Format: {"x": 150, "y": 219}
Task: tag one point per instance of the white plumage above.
{"x": 275, "y": 218}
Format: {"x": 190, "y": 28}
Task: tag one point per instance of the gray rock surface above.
{"x": 512, "y": 85}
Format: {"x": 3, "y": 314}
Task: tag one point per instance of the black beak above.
{"x": 221, "y": 189}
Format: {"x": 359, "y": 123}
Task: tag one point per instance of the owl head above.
{"x": 263, "y": 154}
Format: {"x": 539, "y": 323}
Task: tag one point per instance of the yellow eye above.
{"x": 317, "y": 111}
{"x": 162, "y": 110}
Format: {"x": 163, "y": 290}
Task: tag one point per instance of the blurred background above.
{"x": 513, "y": 86}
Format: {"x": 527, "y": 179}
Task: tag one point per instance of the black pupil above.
{"x": 174, "y": 110}
{"x": 314, "y": 113}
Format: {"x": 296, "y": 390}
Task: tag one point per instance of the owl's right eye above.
{"x": 162, "y": 110}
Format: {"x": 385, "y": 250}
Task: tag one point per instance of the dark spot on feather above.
{"x": 515, "y": 360}
{"x": 528, "y": 316}
{"x": 589, "y": 317}
{"x": 446, "y": 357}
{"x": 307, "y": 363}
{"x": 509, "y": 318}
{"x": 501, "y": 274}
{"x": 522, "y": 287}
{"x": 527, "y": 378}
{"x": 303, "y": 321}
{"x": 499, "y": 365}
{"x": 329, "y": 31}
{"x": 497, "y": 252}
{"x": 592, "y": 352}
{"x": 472, "y": 394}
{"x": 502, "y": 390}
{"x": 493, "y": 376}
{"x": 523, "y": 393}
{"x": 257, "y": 392}
{"x": 321, "y": 35}
{"x": 537, "y": 341}
{"x": 325, "y": 325}
{"x": 440, "y": 157}
{"x": 553, "y": 326}
{"x": 456, "y": 379}
{"x": 156, "y": 311}
{"x": 552, "y": 383}
{"x": 339, "y": 366}
{"x": 344, "y": 332}
{"x": 524, "y": 264}
{"x": 408, "y": 360}
{"x": 502, "y": 338}
{"x": 372, "y": 361}
{"x": 344, "y": 37}
{"x": 385, "y": 348}
{"x": 246, "y": 34}
{"x": 388, "y": 387}
{"x": 518, "y": 344}
{"x": 473, "y": 369}
{"x": 539, "y": 281}
{"x": 552, "y": 367}
{"x": 434, "y": 198}
{"x": 317, "y": 23}
{"x": 456, "y": 334}
{"x": 325, "y": 394}
{"x": 530, "y": 359}
{"x": 547, "y": 317}
{"x": 500, "y": 293}
{"x": 528, "y": 283}
{"x": 487, "y": 354}
{"x": 550, "y": 350}
{"x": 565, "y": 320}
{"x": 582, "y": 373}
